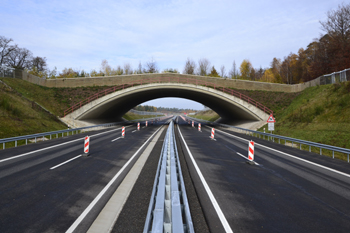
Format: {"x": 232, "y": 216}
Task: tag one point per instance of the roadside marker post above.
{"x": 146, "y": 123}
{"x": 212, "y": 133}
{"x": 123, "y": 132}
{"x": 192, "y": 123}
{"x": 86, "y": 146}
{"x": 251, "y": 153}
{"x": 138, "y": 126}
{"x": 199, "y": 127}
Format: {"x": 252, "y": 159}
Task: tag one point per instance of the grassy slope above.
{"x": 208, "y": 115}
{"x": 19, "y": 116}
{"x": 132, "y": 116}
{"x": 56, "y": 100}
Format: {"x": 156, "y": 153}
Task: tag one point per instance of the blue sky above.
{"x": 80, "y": 34}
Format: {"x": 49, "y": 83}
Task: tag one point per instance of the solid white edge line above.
{"x": 115, "y": 139}
{"x": 32, "y": 152}
{"x": 246, "y": 158}
{"x": 207, "y": 188}
{"x": 65, "y": 162}
{"x": 104, "y": 190}
{"x": 292, "y": 156}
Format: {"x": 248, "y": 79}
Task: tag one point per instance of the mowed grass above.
{"x": 208, "y": 115}
{"x": 319, "y": 114}
{"x": 19, "y": 116}
{"x": 132, "y": 116}
{"x": 56, "y": 100}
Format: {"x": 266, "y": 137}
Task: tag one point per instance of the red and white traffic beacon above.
{"x": 123, "y": 132}
{"x": 212, "y": 134}
{"x": 251, "y": 153}
{"x": 138, "y": 126}
{"x": 146, "y": 123}
{"x": 86, "y": 146}
{"x": 199, "y": 127}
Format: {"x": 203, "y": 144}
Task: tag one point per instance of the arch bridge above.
{"x": 111, "y": 104}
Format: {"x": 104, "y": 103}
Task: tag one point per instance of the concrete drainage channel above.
{"x": 169, "y": 209}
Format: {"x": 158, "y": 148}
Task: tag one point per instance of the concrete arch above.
{"x": 112, "y": 107}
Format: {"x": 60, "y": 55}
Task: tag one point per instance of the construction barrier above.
{"x": 123, "y": 131}
{"x": 86, "y": 145}
{"x": 251, "y": 151}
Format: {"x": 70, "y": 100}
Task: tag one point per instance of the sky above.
{"x": 80, "y": 34}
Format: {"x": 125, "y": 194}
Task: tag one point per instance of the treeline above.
{"x": 326, "y": 54}
{"x": 148, "y": 108}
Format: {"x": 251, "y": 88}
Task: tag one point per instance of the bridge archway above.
{"x": 112, "y": 107}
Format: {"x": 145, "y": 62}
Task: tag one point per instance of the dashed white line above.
{"x": 289, "y": 155}
{"x": 246, "y": 158}
{"x": 134, "y": 131}
{"x": 115, "y": 139}
{"x": 65, "y": 162}
{"x": 104, "y": 190}
{"x": 50, "y": 147}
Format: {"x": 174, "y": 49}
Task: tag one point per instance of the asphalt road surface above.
{"x": 43, "y": 190}
{"x": 46, "y": 187}
{"x": 280, "y": 193}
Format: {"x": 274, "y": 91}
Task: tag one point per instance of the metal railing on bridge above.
{"x": 169, "y": 80}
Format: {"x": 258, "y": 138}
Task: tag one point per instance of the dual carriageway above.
{"x": 50, "y": 187}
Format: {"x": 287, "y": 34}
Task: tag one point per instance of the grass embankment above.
{"x": 319, "y": 114}
{"x": 19, "y": 116}
{"x": 208, "y": 115}
{"x": 56, "y": 100}
{"x": 132, "y": 116}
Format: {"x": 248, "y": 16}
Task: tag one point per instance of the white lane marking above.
{"x": 246, "y": 158}
{"x": 134, "y": 131}
{"x": 292, "y": 156}
{"x": 115, "y": 139}
{"x": 65, "y": 162}
{"x": 206, "y": 186}
{"x": 212, "y": 138}
{"x": 47, "y": 148}
{"x": 104, "y": 190}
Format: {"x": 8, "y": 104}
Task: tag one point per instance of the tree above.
{"x": 233, "y": 72}
{"x": 190, "y": 67}
{"x": 20, "y": 58}
{"x": 119, "y": 71}
{"x": 171, "y": 70}
{"x": 105, "y": 68}
{"x": 245, "y": 69}
{"x": 127, "y": 68}
{"x": 151, "y": 66}
{"x": 5, "y": 48}
{"x": 222, "y": 71}
{"x": 213, "y": 72}
{"x": 139, "y": 69}
{"x": 39, "y": 63}
{"x": 268, "y": 76}
{"x": 68, "y": 73}
{"x": 204, "y": 65}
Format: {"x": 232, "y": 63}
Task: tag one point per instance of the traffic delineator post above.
{"x": 138, "y": 126}
{"x": 212, "y": 133}
{"x": 86, "y": 146}
{"x": 146, "y": 123}
{"x": 123, "y": 132}
{"x": 192, "y": 123}
{"x": 199, "y": 127}
{"x": 251, "y": 151}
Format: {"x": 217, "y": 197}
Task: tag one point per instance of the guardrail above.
{"x": 66, "y": 132}
{"x": 169, "y": 209}
{"x": 168, "y": 80}
{"x": 286, "y": 139}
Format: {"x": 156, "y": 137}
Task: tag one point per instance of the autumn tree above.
{"x": 203, "y": 66}
{"x": 190, "y": 67}
{"x": 6, "y": 47}
{"x": 233, "y": 72}
{"x": 128, "y": 68}
{"x": 245, "y": 69}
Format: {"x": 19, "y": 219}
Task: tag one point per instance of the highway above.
{"x": 48, "y": 187}
{"x": 280, "y": 194}
{"x": 38, "y": 196}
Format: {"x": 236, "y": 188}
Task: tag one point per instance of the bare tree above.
{"x": 190, "y": 67}
{"x": 127, "y": 68}
{"x": 105, "y": 68}
{"x": 139, "y": 69}
{"x": 5, "y": 49}
{"x": 39, "y": 63}
{"x": 151, "y": 67}
{"x": 204, "y": 66}
{"x": 233, "y": 72}
{"x": 337, "y": 24}
{"x": 222, "y": 71}
{"x": 20, "y": 58}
